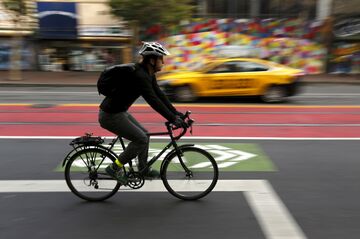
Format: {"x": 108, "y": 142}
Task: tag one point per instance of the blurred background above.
{"x": 51, "y": 55}
{"x": 316, "y": 36}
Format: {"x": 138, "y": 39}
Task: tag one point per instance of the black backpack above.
{"x": 110, "y": 78}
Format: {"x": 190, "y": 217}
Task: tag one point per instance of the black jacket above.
{"x": 131, "y": 88}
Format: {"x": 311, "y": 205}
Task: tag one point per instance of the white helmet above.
{"x": 153, "y": 48}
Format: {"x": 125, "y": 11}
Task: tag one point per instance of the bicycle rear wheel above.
{"x": 86, "y": 177}
{"x": 191, "y": 177}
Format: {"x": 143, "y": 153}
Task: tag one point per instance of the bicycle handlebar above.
{"x": 189, "y": 122}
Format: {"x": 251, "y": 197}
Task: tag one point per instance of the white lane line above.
{"x": 8, "y": 186}
{"x": 271, "y": 213}
{"x": 95, "y": 92}
{"x": 50, "y": 92}
{"x": 271, "y": 125}
{"x": 195, "y": 138}
{"x": 326, "y": 95}
{"x": 274, "y": 218}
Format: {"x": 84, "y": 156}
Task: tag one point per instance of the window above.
{"x": 238, "y": 66}
{"x": 244, "y": 66}
{"x": 224, "y": 68}
{"x": 228, "y": 8}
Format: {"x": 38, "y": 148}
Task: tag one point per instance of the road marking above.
{"x": 199, "y": 138}
{"x": 140, "y": 105}
{"x": 96, "y": 93}
{"x": 274, "y": 218}
{"x": 15, "y": 104}
{"x": 49, "y": 92}
{"x": 229, "y": 158}
{"x": 269, "y": 125}
{"x": 199, "y": 124}
{"x": 235, "y": 106}
{"x": 327, "y": 95}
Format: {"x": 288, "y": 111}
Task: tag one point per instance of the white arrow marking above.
{"x": 226, "y": 164}
{"x": 243, "y": 155}
{"x": 215, "y": 146}
{"x": 201, "y": 165}
{"x": 204, "y": 147}
{"x": 224, "y": 155}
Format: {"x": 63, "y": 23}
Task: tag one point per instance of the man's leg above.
{"x": 122, "y": 124}
{"x": 143, "y": 155}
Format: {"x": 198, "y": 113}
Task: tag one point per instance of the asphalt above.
{"x": 68, "y": 78}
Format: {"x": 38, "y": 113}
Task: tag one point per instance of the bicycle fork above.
{"x": 179, "y": 153}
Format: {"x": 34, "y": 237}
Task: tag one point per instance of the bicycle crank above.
{"x": 135, "y": 180}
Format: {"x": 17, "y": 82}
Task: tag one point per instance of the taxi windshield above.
{"x": 200, "y": 66}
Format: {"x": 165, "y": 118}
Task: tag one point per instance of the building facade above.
{"x": 344, "y": 53}
{"x": 16, "y": 38}
{"x": 82, "y": 35}
{"x": 340, "y": 18}
{"x": 66, "y": 35}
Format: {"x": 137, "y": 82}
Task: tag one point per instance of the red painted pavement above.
{"x": 225, "y": 121}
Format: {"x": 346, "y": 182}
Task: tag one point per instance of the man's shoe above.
{"x": 116, "y": 173}
{"x": 151, "y": 174}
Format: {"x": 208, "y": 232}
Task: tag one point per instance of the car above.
{"x": 271, "y": 81}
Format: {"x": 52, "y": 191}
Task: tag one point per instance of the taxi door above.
{"x": 227, "y": 79}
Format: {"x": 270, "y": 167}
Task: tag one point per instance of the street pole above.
{"x": 15, "y": 73}
{"x": 17, "y": 7}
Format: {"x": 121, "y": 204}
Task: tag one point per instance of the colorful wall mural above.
{"x": 288, "y": 41}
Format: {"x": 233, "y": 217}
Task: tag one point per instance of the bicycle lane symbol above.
{"x": 229, "y": 156}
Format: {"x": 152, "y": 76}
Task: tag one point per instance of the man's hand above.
{"x": 179, "y": 122}
{"x": 180, "y": 114}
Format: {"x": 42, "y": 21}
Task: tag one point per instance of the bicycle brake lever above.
{"x": 190, "y": 123}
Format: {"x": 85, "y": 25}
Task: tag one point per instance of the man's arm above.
{"x": 151, "y": 97}
{"x": 163, "y": 97}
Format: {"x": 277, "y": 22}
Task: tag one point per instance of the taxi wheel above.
{"x": 184, "y": 94}
{"x": 274, "y": 94}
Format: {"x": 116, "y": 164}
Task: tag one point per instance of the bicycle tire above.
{"x": 85, "y": 175}
{"x": 204, "y": 176}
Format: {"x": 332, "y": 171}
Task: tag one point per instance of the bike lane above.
{"x": 210, "y": 120}
{"x": 63, "y": 120}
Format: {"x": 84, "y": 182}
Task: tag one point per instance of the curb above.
{"x": 28, "y": 84}
{"x": 322, "y": 79}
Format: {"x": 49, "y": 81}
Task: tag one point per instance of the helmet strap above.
{"x": 153, "y": 65}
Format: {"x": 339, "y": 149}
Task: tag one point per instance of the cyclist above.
{"x": 114, "y": 115}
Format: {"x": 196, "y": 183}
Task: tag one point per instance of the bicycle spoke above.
{"x": 192, "y": 177}
{"x": 90, "y": 181}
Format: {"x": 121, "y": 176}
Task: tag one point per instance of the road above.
{"x": 312, "y": 94}
{"x": 298, "y": 177}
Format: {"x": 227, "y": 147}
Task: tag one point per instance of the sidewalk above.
{"x": 69, "y": 78}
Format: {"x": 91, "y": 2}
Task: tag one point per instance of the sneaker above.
{"x": 116, "y": 173}
{"x": 151, "y": 174}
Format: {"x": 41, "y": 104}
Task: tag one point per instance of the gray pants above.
{"x": 125, "y": 125}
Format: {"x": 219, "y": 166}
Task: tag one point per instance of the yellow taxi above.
{"x": 233, "y": 77}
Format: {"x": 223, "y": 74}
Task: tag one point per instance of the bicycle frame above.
{"x": 169, "y": 127}
{"x": 172, "y": 143}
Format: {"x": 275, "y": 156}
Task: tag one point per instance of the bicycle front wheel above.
{"x": 192, "y": 176}
{"x": 86, "y": 177}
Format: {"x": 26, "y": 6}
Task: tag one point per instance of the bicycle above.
{"x": 187, "y": 172}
